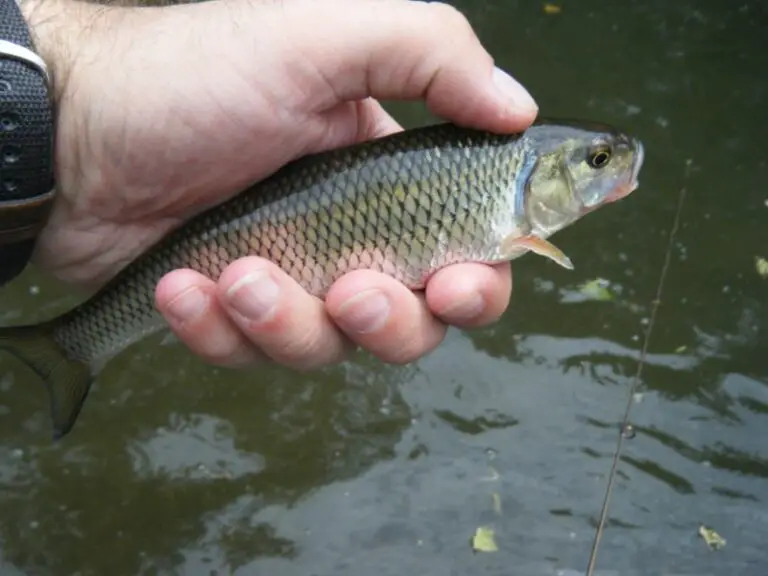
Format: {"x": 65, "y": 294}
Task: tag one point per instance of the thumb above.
{"x": 401, "y": 50}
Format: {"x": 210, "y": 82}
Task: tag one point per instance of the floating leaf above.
{"x": 712, "y": 538}
{"x": 484, "y": 540}
{"x": 761, "y": 265}
{"x": 597, "y": 289}
{"x": 681, "y": 349}
{"x": 552, "y": 8}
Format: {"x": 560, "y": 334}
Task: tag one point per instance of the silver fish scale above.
{"x": 405, "y": 205}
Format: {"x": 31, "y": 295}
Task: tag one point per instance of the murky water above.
{"x": 176, "y": 467}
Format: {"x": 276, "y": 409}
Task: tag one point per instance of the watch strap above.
{"x": 26, "y": 141}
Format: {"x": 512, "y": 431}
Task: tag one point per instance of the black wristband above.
{"x": 26, "y": 143}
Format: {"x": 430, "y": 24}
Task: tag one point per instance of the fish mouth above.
{"x": 624, "y": 190}
{"x": 639, "y": 159}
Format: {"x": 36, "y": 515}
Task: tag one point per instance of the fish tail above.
{"x": 67, "y": 379}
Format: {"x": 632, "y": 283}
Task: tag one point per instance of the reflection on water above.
{"x": 176, "y": 467}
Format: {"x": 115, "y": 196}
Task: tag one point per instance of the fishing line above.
{"x": 636, "y": 380}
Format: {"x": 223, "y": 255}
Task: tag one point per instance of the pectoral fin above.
{"x": 537, "y": 245}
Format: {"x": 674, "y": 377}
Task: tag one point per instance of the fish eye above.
{"x": 599, "y": 157}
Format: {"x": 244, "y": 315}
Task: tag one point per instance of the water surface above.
{"x": 180, "y": 468}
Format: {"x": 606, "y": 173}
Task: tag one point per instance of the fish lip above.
{"x": 639, "y": 159}
{"x": 624, "y": 190}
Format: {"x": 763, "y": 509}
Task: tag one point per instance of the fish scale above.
{"x": 405, "y": 205}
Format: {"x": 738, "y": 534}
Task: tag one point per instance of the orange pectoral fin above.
{"x": 537, "y": 245}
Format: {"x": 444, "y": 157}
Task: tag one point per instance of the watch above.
{"x": 27, "y": 128}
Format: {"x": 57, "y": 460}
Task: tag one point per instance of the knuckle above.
{"x": 243, "y": 356}
{"x": 223, "y": 357}
{"x": 217, "y": 343}
{"x": 307, "y": 348}
{"x": 451, "y": 19}
{"x": 219, "y": 351}
{"x": 408, "y": 351}
{"x": 401, "y": 357}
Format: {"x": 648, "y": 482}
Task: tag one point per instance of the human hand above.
{"x": 164, "y": 112}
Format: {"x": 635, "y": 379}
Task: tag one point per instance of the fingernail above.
{"x": 364, "y": 313}
{"x": 189, "y": 305}
{"x": 463, "y": 309}
{"x": 254, "y": 296}
{"x": 512, "y": 90}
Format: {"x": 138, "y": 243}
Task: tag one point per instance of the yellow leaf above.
{"x": 597, "y": 289}
{"x": 712, "y": 538}
{"x": 483, "y": 540}
{"x": 761, "y": 265}
{"x": 552, "y": 8}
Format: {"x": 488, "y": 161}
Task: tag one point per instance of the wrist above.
{"x": 48, "y": 21}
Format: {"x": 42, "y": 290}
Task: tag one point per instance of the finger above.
{"x": 374, "y": 121}
{"x": 470, "y": 295}
{"x": 188, "y": 302}
{"x": 388, "y": 49}
{"x": 352, "y": 122}
{"x": 384, "y": 317}
{"x": 278, "y": 316}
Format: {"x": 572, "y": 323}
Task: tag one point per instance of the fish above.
{"x": 406, "y": 204}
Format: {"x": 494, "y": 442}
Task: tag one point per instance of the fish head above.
{"x": 579, "y": 167}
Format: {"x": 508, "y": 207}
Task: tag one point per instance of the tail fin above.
{"x": 67, "y": 380}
